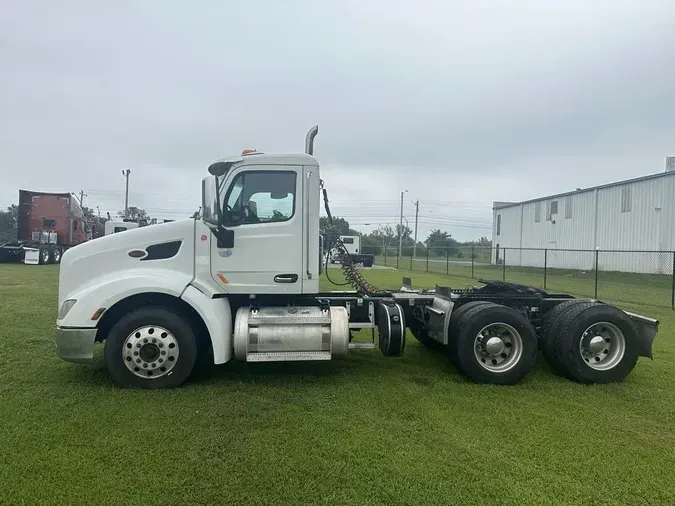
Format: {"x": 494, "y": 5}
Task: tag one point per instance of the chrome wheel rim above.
{"x": 498, "y": 347}
{"x": 150, "y": 352}
{"x": 602, "y": 346}
{"x": 45, "y": 255}
{"x": 57, "y": 255}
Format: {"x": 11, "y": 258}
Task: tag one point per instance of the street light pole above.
{"x": 126, "y": 173}
{"x": 417, "y": 213}
{"x": 400, "y": 228}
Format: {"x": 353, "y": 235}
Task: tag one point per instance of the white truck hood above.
{"x": 87, "y": 263}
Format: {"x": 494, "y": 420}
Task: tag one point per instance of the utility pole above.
{"x": 126, "y": 173}
{"x": 82, "y": 195}
{"x": 400, "y": 227}
{"x": 417, "y": 213}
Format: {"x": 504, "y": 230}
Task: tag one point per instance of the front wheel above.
{"x": 151, "y": 348}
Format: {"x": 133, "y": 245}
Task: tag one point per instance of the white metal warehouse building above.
{"x": 636, "y": 214}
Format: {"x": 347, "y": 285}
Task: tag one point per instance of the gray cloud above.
{"x": 458, "y": 102}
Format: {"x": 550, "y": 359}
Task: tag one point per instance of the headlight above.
{"x": 65, "y": 308}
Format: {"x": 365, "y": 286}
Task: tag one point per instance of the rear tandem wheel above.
{"x": 494, "y": 344}
{"x": 591, "y": 342}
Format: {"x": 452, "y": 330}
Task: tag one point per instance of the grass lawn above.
{"x": 364, "y": 430}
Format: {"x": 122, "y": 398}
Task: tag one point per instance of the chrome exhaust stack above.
{"x": 309, "y": 140}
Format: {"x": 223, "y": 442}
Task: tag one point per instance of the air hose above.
{"x": 351, "y": 273}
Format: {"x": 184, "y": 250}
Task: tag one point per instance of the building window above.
{"x": 537, "y": 212}
{"x": 625, "y": 199}
{"x": 551, "y": 209}
{"x": 568, "y": 207}
{"x": 499, "y": 224}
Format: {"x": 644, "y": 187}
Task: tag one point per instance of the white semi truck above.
{"x": 351, "y": 244}
{"x": 242, "y": 282}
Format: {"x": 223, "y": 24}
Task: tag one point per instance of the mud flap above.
{"x": 391, "y": 328}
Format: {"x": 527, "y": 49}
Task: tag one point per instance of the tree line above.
{"x": 386, "y": 238}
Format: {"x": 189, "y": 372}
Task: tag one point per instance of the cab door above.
{"x": 263, "y": 206}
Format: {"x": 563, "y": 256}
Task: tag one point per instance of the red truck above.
{"x": 47, "y": 225}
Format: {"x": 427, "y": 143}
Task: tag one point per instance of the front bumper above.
{"x": 75, "y": 345}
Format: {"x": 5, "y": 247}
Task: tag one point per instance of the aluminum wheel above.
{"x": 57, "y": 255}
{"x": 44, "y": 254}
{"x": 498, "y": 347}
{"x": 602, "y": 346}
{"x": 150, "y": 352}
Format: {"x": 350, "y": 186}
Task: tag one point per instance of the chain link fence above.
{"x": 640, "y": 277}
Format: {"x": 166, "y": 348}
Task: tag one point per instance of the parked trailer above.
{"x": 242, "y": 283}
{"x": 48, "y": 224}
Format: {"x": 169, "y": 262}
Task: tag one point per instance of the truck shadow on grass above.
{"x": 423, "y": 367}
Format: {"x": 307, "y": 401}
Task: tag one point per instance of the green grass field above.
{"x": 364, "y": 430}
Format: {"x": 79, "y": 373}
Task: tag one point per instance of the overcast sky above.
{"x": 459, "y": 102}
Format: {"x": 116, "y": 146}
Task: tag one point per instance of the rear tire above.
{"x": 151, "y": 347}
{"x": 550, "y": 331}
{"x": 453, "y": 327}
{"x": 595, "y": 343}
{"x": 55, "y": 255}
{"x": 44, "y": 255}
{"x": 495, "y": 344}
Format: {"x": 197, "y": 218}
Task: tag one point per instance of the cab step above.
{"x": 362, "y": 346}
{"x": 288, "y": 356}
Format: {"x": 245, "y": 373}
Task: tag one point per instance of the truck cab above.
{"x": 115, "y": 227}
{"x": 263, "y": 214}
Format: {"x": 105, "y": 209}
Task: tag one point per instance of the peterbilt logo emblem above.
{"x": 225, "y": 253}
{"x": 204, "y": 237}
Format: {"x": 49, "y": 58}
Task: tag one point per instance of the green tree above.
{"x": 339, "y": 227}
{"x": 440, "y": 242}
{"x": 136, "y": 214}
{"x": 8, "y": 223}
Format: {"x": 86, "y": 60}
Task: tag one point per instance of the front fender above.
{"x": 107, "y": 291}
{"x": 217, "y": 317}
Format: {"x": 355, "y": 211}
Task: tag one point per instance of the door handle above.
{"x": 285, "y": 278}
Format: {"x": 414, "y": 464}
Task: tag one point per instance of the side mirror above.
{"x": 224, "y": 237}
{"x": 210, "y": 202}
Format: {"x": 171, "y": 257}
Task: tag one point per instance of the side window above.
{"x": 260, "y": 197}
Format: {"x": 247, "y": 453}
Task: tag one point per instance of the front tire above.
{"x": 151, "y": 347}
{"x": 495, "y": 344}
